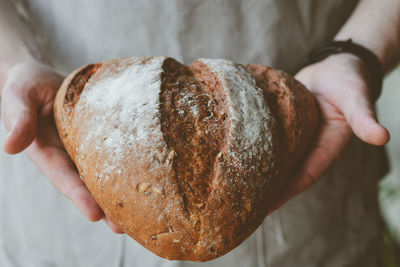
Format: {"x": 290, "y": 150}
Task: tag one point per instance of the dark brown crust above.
{"x": 193, "y": 126}
{"x": 292, "y": 105}
{"x": 213, "y": 211}
{"x": 295, "y": 108}
{"x": 77, "y": 83}
{"x": 67, "y": 96}
{"x": 193, "y": 123}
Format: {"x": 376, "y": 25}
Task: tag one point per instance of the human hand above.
{"x": 27, "y": 112}
{"x": 340, "y": 84}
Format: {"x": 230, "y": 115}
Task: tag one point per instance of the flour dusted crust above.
{"x": 187, "y": 160}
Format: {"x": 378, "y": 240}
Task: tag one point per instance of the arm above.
{"x": 376, "y": 25}
{"x": 29, "y": 85}
{"x": 340, "y": 84}
{"x": 17, "y": 43}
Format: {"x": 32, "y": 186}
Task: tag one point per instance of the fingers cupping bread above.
{"x": 187, "y": 160}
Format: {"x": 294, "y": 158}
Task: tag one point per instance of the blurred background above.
{"x": 389, "y": 191}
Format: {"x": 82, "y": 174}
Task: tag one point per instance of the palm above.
{"x": 333, "y": 135}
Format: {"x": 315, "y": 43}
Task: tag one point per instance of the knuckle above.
{"x": 19, "y": 79}
{"x": 356, "y": 84}
{"x": 311, "y": 178}
{"x": 77, "y": 193}
{"x": 12, "y": 81}
{"x": 115, "y": 230}
{"x": 80, "y": 196}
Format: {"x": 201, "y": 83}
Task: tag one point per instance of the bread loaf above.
{"x": 187, "y": 160}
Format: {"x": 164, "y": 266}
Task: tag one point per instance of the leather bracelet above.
{"x": 372, "y": 62}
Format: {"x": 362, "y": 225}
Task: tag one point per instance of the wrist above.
{"x": 370, "y": 63}
{"x": 376, "y": 26}
{"x": 385, "y": 55}
{"x": 345, "y": 58}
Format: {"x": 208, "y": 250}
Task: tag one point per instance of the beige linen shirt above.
{"x": 335, "y": 223}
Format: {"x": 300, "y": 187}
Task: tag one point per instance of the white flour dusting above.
{"x": 125, "y": 109}
{"x": 250, "y": 133}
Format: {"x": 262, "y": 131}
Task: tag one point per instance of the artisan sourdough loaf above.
{"x": 187, "y": 160}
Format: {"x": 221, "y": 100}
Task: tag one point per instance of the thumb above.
{"x": 19, "y": 113}
{"x": 359, "y": 113}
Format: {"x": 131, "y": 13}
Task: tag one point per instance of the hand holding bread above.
{"x": 27, "y": 112}
{"x": 341, "y": 86}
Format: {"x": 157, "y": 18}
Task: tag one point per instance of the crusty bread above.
{"x": 187, "y": 160}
